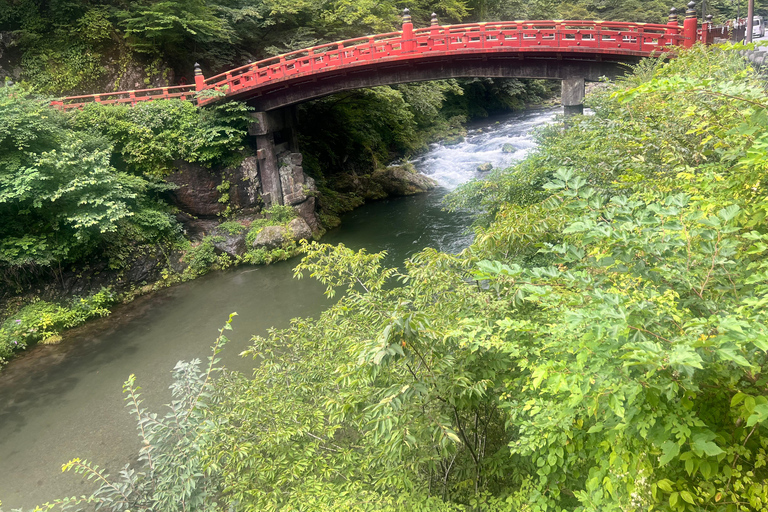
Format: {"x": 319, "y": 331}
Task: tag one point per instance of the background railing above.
{"x": 183, "y": 92}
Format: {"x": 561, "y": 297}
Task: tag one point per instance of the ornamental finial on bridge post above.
{"x": 706, "y": 30}
{"x": 434, "y": 19}
{"x": 672, "y": 18}
{"x": 406, "y": 16}
{"x": 673, "y": 30}
{"x": 691, "y": 11}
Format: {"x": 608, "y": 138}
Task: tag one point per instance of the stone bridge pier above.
{"x": 572, "y": 95}
{"x": 283, "y": 181}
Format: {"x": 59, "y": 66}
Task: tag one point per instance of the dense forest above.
{"x": 600, "y": 346}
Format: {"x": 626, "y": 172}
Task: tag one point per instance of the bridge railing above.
{"x": 530, "y": 36}
{"x": 573, "y": 36}
{"x": 183, "y": 92}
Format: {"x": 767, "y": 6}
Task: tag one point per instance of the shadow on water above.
{"x": 64, "y": 401}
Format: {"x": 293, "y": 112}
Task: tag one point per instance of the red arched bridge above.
{"x": 565, "y": 50}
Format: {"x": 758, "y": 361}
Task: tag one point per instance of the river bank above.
{"x": 63, "y": 401}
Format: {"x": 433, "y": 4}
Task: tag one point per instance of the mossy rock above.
{"x": 487, "y": 166}
{"x": 453, "y": 140}
{"x": 508, "y": 148}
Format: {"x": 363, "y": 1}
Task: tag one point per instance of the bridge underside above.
{"x": 299, "y": 89}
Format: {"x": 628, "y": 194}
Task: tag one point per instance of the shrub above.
{"x": 41, "y": 320}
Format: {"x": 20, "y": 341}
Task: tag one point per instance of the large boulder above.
{"x": 232, "y": 244}
{"x": 402, "y": 180}
{"x": 487, "y": 166}
{"x": 299, "y": 229}
{"x": 271, "y": 237}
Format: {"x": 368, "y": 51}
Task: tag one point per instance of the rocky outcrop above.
{"x": 244, "y": 186}
{"x": 297, "y": 186}
{"x": 402, "y": 180}
{"x": 204, "y": 193}
{"x": 196, "y": 190}
{"x": 306, "y": 211}
{"x": 272, "y": 237}
{"x": 230, "y": 243}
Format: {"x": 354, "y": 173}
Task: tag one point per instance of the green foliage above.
{"x": 232, "y": 227}
{"x": 60, "y": 197}
{"x": 202, "y": 257}
{"x": 166, "y": 477}
{"x": 150, "y": 136}
{"x": 165, "y": 27}
{"x": 276, "y": 215}
{"x": 280, "y": 214}
{"x": 627, "y": 372}
{"x": 43, "y": 321}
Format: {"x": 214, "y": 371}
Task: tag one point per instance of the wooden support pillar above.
{"x": 572, "y": 96}
{"x": 199, "y": 78}
{"x": 275, "y": 134}
{"x": 690, "y": 25}
{"x": 407, "y": 37}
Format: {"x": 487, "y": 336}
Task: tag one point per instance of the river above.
{"x": 64, "y": 401}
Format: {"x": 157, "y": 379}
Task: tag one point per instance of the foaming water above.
{"x": 64, "y": 401}
{"x": 453, "y": 165}
{"x": 405, "y": 225}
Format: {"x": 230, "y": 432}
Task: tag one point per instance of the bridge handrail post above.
{"x": 434, "y": 31}
{"x": 406, "y": 43}
{"x": 689, "y": 25}
{"x": 199, "y": 78}
{"x": 673, "y": 28}
{"x": 706, "y": 29}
